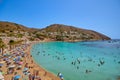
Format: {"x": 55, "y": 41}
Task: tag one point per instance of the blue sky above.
{"x": 99, "y": 15}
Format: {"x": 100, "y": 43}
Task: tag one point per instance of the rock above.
{"x": 99, "y": 65}
{"x": 118, "y": 62}
{"x": 77, "y": 67}
{"x": 88, "y": 71}
{"x": 118, "y": 78}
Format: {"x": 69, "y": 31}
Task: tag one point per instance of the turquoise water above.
{"x": 96, "y": 60}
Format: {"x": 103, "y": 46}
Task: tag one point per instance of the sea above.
{"x": 86, "y": 60}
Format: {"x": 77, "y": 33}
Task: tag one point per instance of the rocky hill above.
{"x": 71, "y": 33}
{"x": 57, "y": 32}
{"x": 9, "y": 29}
{"x": 9, "y": 26}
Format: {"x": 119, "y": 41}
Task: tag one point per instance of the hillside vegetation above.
{"x": 71, "y": 33}
{"x": 56, "y": 32}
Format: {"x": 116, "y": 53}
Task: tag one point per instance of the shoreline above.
{"x": 43, "y": 73}
{"x": 46, "y": 74}
{"x": 33, "y": 67}
{"x": 72, "y": 41}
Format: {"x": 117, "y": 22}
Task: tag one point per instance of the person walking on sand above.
{"x": 60, "y": 76}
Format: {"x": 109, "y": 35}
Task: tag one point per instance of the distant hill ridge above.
{"x": 81, "y": 34}
{"x": 14, "y": 26}
{"x": 57, "y": 32}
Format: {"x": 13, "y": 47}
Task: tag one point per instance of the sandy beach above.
{"x": 33, "y": 68}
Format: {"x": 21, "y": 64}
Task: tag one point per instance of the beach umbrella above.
{"x": 16, "y": 62}
{"x": 1, "y": 65}
{"x": 17, "y": 77}
{"x": 5, "y": 59}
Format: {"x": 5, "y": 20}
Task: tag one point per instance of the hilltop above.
{"x": 56, "y": 32}
{"x": 71, "y": 33}
{"x": 9, "y": 26}
{"x": 14, "y": 30}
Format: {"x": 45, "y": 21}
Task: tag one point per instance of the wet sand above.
{"x": 44, "y": 74}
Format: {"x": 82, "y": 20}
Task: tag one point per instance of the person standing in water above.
{"x": 60, "y": 76}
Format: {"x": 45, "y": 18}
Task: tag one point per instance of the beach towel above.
{"x": 1, "y": 76}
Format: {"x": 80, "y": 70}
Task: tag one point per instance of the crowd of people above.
{"x": 14, "y": 66}
{"x": 17, "y": 64}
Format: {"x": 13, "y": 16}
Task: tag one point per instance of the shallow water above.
{"x": 95, "y": 60}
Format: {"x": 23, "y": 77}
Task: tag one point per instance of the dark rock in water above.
{"x": 114, "y": 60}
{"x": 58, "y": 58}
{"x": 109, "y": 41}
{"x": 64, "y": 58}
{"x": 79, "y": 62}
{"x": 90, "y": 59}
{"x": 118, "y": 62}
{"x": 118, "y": 78}
{"x": 77, "y": 67}
{"x": 99, "y": 65}
{"x": 88, "y": 71}
{"x": 72, "y": 62}
{"x": 55, "y": 56}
